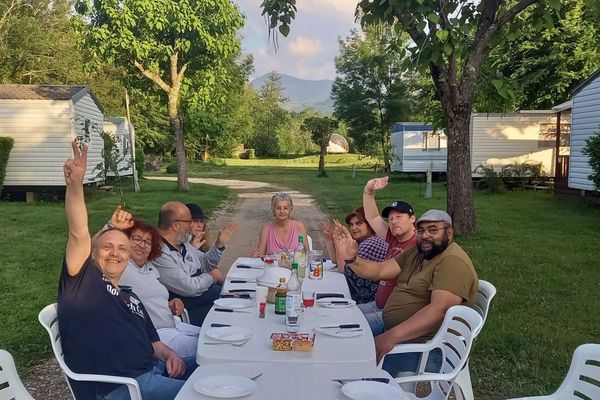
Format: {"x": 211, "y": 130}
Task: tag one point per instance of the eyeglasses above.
{"x": 137, "y": 240}
{"x": 431, "y": 230}
{"x": 187, "y": 221}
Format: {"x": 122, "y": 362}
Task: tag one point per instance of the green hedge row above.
{"x": 6, "y": 145}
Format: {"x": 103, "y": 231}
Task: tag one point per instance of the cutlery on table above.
{"x": 242, "y": 281}
{"x": 343, "y": 326}
{"x": 257, "y": 376}
{"x": 333, "y": 302}
{"x": 241, "y": 290}
{"x": 324, "y": 295}
{"x": 231, "y": 343}
{"x": 231, "y": 310}
{"x": 344, "y": 381}
{"x": 217, "y": 325}
{"x": 235, "y": 295}
{"x": 248, "y": 266}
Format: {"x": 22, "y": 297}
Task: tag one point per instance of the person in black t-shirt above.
{"x": 106, "y": 330}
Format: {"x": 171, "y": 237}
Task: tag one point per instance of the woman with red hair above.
{"x": 142, "y": 278}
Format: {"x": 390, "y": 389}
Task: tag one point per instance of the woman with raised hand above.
{"x": 281, "y": 234}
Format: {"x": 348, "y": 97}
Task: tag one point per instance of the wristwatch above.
{"x": 350, "y": 261}
{"x": 109, "y": 224}
{"x": 222, "y": 248}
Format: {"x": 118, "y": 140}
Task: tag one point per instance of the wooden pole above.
{"x": 136, "y": 185}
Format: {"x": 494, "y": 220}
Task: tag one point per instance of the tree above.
{"x": 536, "y": 70}
{"x": 321, "y": 129}
{"x": 369, "y": 92}
{"x": 592, "y": 150}
{"x": 451, "y": 39}
{"x": 271, "y": 119}
{"x": 165, "y": 41}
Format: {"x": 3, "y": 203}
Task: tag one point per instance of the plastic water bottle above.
{"x": 300, "y": 257}
{"x": 293, "y": 301}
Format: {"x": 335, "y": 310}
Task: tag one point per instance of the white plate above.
{"x": 229, "y": 333}
{"x": 371, "y": 390}
{"x": 342, "y": 333}
{"x": 234, "y": 302}
{"x": 327, "y": 302}
{"x": 225, "y": 386}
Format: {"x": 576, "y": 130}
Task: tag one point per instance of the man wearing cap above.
{"x": 430, "y": 278}
{"x": 398, "y": 232}
{"x": 187, "y": 272}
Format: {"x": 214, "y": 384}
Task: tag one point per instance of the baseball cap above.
{"x": 400, "y": 206}
{"x": 435, "y": 216}
{"x": 196, "y": 211}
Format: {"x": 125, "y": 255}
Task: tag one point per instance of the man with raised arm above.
{"x": 430, "y": 279}
{"x": 105, "y": 330}
{"x": 398, "y": 232}
{"x": 187, "y": 272}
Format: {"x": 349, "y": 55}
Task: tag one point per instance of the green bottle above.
{"x": 280, "y": 295}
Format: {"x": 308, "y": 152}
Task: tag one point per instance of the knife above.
{"x": 344, "y": 381}
{"x": 247, "y": 266}
{"x": 235, "y": 295}
{"x": 217, "y": 325}
{"x": 231, "y": 310}
{"x": 241, "y": 281}
{"x": 344, "y": 326}
{"x": 334, "y": 302}
{"x": 241, "y": 290}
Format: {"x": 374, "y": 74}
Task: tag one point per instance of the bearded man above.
{"x": 430, "y": 278}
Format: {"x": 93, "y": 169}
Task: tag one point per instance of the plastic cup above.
{"x": 308, "y": 298}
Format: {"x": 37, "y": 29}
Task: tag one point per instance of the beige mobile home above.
{"x": 43, "y": 120}
{"x": 118, "y": 128}
{"x": 502, "y": 139}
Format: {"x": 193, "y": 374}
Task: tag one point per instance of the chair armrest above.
{"x": 132, "y": 385}
{"x": 412, "y": 348}
{"x": 424, "y": 377}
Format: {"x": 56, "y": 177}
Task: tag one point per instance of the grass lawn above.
{"x": 539, "y": 252}
{"x": 32, "y": 248}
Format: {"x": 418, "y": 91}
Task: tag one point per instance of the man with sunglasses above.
{"x": 187, "y": 272}
{"x": 430, "y": 278}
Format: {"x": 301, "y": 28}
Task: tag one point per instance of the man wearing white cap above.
{"x": 431, "y": 278}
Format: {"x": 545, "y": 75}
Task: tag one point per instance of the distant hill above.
{"x": 302, "y": 93}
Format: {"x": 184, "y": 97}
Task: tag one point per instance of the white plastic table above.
{"x": 358, "y": 351}
{"x": 299, "y": 381}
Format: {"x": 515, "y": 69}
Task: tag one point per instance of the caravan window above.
{"x": 431, "y": 141}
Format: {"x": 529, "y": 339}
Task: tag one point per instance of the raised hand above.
{"x": 198, "y": 240}
{"x": 345, "y": 245}
{"x": 121, "y": 219}
{"x": 74, "y": 168}
{"x": 376, "y": 184}
{"x": 327, "y": 231}
{"x": 225, "y": 234}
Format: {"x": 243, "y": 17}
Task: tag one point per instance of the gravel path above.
{"x": 251, "y": 209}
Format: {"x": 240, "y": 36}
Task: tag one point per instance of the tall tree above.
{"x": 165, "y": 41}
{"x": 369, "y": 92}
{"x": 451, "y": 39}
{"x": 321, "y": 129}
{"x": 271, "y": 118}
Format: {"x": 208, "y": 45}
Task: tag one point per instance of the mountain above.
{"x": 303, "y": 93}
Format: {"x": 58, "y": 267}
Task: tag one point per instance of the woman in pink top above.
{"x": 281, "y": 233}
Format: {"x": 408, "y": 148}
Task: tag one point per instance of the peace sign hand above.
{"x": 74, "y": 168}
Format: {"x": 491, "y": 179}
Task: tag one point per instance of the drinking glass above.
{"x": 308, "y": 298}
{"x": 316, "y": 264}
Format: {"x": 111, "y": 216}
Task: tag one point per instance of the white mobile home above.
{"x": 43, "y": 120}
{"x": 417, "y": 148}
{"x": 585, "y": 122}
{"x": 118, "y": 128}
{"x": 499, "y": 139}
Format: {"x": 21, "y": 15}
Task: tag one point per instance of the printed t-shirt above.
{"x": 452, "y": 270}
{"x": 103, "y": 330}
{"x": 395, "y": 248}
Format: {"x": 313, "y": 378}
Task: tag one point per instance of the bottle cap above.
{"x": 294, "y": 266}
{"x": 282, "y": 279}
{"x": 300, "y": 238}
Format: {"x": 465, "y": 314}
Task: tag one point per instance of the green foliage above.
{"x": 592, "y": 150}
{"x": 171, "y": 168}
{"x": 6, "y": 145}
{"x": 271, "y": 120}
{"x": 111, "y": 158}
{"x": 491, "y": 180}
{"x": 251, "y": 154}
{"x": 140, "y": 161}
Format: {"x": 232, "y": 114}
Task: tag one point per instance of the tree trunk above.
{"x": 182, "y": 178}
{"x": 385, "y": 138}
{"x": 322, "y": 158}
{"x": 460, "y": 186}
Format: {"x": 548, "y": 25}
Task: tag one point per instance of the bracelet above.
{"x": 109, "y": 224}
{"x": 350, "y": 261}
{"x": 368, "y": 193}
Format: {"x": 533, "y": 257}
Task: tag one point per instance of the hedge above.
{"x": 6, "y": 145}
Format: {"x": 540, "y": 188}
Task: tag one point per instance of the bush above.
{"x": 172, "y": 168}
{"x": 6, "y": 145}
{"x": 491, "y": 180}
{"x": 592, "y": 150}
{"x": 520, "y": 174}
{"x": 140, "y": 161}
{"x": 251, "y": 154}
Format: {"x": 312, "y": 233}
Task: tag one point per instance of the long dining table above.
{"x": 308, "y": 373}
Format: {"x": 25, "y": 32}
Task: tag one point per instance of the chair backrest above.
{"x": 485, "y": 294}
{"x": 309, "y": 242}
{"x": 454, "y": 338}
{"x": 11, "y": 386}
{"x": 583, "y": 379}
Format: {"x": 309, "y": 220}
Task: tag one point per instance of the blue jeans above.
{"x": 156, "y": 384}
{"x": 374, "y": 317}
{"x": 409, "y": 362}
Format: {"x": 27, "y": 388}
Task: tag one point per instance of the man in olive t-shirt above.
{"x": 431, "y": 278}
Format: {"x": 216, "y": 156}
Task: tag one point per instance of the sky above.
{"x": 309, "y": 50}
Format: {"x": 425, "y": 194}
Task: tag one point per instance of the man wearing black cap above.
{"x": 398, "y": 232}
{"x": 430, "y": 279}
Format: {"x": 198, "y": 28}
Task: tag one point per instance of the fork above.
{"x": 231, "y": 343}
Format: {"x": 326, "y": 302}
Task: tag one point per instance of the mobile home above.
{"x": 118, "y": 128}
{"x": 416, "y": 147}
{"x": 43, "y": 120}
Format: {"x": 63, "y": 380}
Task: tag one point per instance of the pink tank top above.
{"x": 273, "y": 244}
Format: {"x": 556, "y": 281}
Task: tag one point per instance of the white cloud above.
{"x": 305, "y": 47}
{"x": 345, "y": 6}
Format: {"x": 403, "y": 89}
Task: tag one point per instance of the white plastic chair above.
{"x": 48, "y": 317}
{"x": 582, "y": 380}
{"x": 11, "y": 386}
{"x": 454, "y": 339}
{"x": 463, "y": 389}
{"x": 309, "y": 242}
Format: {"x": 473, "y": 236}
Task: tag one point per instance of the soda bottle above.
{"x": 300, "y": 257}
{"x": 280, "y": 295}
